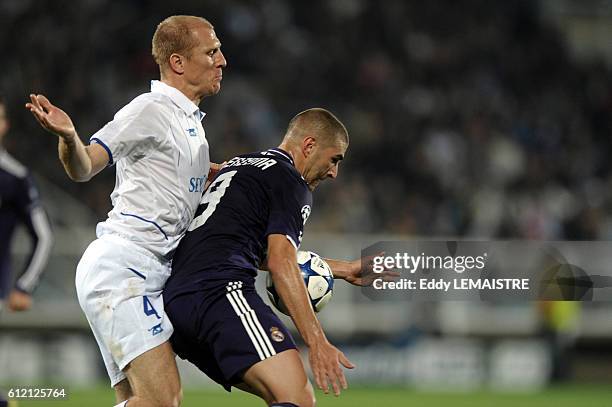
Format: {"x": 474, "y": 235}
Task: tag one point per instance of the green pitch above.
{"x": 572, "y": 396}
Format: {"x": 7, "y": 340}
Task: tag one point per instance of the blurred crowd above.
{"x": 466, "y": 118}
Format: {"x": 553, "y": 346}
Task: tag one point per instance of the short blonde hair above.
{"x": 173, "y": 35}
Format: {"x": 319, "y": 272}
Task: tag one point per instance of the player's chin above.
{"x": 215, "y": 88}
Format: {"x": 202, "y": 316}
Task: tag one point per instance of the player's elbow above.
{"x": 275, "y": 264}
{"x": 77, "y": 171}
{"x": 279, "y": 262}
{"x": 76, "y": 177}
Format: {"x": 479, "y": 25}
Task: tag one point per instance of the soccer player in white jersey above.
{"x": 160, "y": 149}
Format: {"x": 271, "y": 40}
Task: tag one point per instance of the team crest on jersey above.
{"x": 192, "y": 132}
{"x": 305, "y": 213}
{"x": 276, "y": 334}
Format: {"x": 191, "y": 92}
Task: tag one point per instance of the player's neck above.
{"x": 182, "y": 87}
{"x": 294, "y": 153}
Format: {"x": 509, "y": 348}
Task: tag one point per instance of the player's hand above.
{"x": 212, "y": 173}
{"x": 51, "y": 118}
{"x": 19, "y": 301}
{"x": 325, "y": 360}
{"x": 214, "y": 169}
{"x": 361, "y": 272}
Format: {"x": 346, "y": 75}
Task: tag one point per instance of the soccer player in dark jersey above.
{"x": 251, "y": 217}
{"x": 19, "y": 203}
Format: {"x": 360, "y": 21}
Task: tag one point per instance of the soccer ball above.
{"x": 318, "y": 278}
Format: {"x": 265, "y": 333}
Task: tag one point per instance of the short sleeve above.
{"x": 290, "y": 207}
{"x": 135, "y": 129}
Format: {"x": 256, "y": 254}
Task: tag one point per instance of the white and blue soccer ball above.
{"x": 318, "y": 278}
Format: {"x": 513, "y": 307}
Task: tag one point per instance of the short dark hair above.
{"x": 320, "y": 122}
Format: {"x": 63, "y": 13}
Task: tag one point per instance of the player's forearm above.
{"x": 340, "y": 268}
{"x": 74, "y": 158}
{"x": 292, "y": 291}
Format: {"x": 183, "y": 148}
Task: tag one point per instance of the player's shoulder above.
{"x": 273, "y": 162}
{"x": 12, "y": 166}
{"x": 147, "y": 105}
{"x": 283, "y": 171}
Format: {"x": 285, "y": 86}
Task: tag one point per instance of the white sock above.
{"x": 122, "y": 404}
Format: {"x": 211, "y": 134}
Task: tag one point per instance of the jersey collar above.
{"x": 281, "y": 153}
{"x": 178, "y": 98}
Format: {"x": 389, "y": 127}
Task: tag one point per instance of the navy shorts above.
{"x": 225, "y": 329}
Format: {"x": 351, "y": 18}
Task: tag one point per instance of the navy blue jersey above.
{"x": 19, "y": 204}
{"x": 253, "y": 196}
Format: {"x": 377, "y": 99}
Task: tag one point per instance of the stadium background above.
{"x": 470, "y": 119}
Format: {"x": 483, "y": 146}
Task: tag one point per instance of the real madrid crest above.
{"x": 276, "y": 334}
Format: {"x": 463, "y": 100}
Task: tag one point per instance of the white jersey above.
{"x": 162, "y": 157}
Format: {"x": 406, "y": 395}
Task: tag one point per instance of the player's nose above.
{"x": 221, "y": 61}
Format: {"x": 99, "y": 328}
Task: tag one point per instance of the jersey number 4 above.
{"x": 211, "y": 198}
{"x": 149, "y": 309}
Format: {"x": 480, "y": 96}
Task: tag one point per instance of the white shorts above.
{"x": 119, "y": 286}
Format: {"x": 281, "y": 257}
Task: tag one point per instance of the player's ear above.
{"x": 176, "y": 63}
{"x": 308, "y": 145}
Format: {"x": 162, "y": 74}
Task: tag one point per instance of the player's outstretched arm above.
{"x": 80, "y": 162}
{"x": 360, "y": 271}
{"x": 325, "y": 359}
